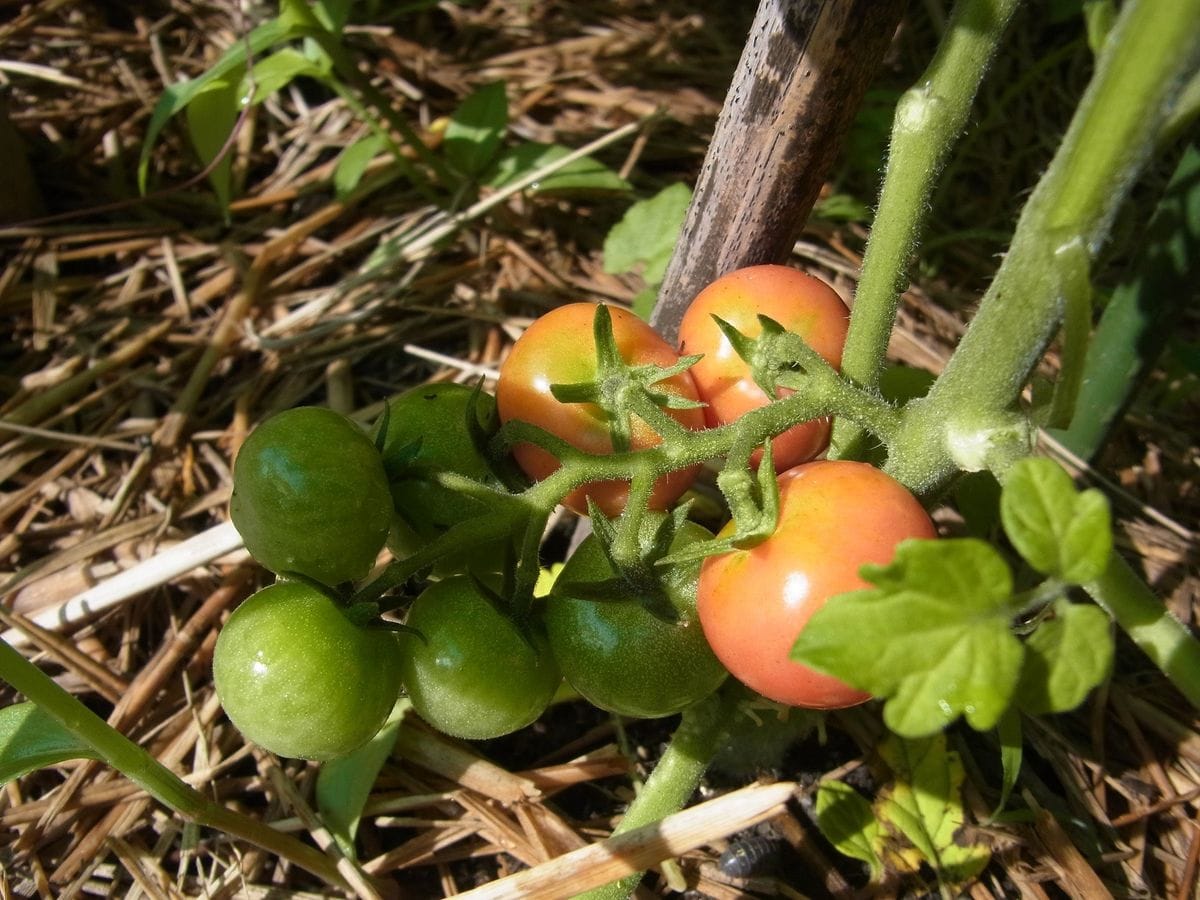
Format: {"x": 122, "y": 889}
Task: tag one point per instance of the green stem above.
{"x": 930, "y": 117}
{"x": 148, "y": 773}
{"x": 1153, "y": 48}
{"x": 676, "y": 776}
{"x": 1150, "y": 625}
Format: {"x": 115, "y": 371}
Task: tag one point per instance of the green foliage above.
{"x": 916, "y": 818}
{"x": 849, "y": 823}
{"x": 942, "y": 646}
{"x": 1060, "y": 532}
{"x": 646, "y": 236}
{"x": 353, "y": 162}
{"x": 1065, "y": 658}
{"x": 210, "y": 118}
{"x": 585, "y": 174}
{"x": 344, "y": 784}
{"x": 30, "y": 738}
{"x": 476, "y": 129}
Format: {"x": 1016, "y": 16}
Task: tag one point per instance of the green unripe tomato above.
{"x": 620, "y": 656}
{"x": 434, "y": 418}
{"x": 474, "y": 675}
{"x": 298, "y": 678}
{"x": 310, "y": 496}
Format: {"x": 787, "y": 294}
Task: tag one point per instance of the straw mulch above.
{"x": 145, "y": 337}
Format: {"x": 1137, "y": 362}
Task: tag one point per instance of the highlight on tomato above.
{"x": 834, "y": 517}
{"x": 558, "y": 348}
{"x": 298, "y": 677}
{"x": 800, "y": 303}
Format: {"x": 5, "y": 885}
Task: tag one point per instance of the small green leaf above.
{"x": 476, "y": 129}
{"x": 647, "y": 234}
{"x": 584, "y": 174}
{"x": 848, "y": 822}
{"x": 1059, "y": 531}
{"x": 932, "y": 636}
{"x": 287, "y": 26}
{"x": 275, "y": 72}
{"x": 210, "y": 118}
{"x": 925, "y": 805}
{"x": 353, "y": 162}
{"x": 344, "y": 784}
{"x": 1008, "y": 732}
{"x": 841, "y": 208}
{"x": 31, "y": 738}
{"x": 1065, "y": 658}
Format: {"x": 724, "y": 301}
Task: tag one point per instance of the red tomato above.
{"x": 801, "y": 304}
{"x": 834, "y": 517}
{"x": 558, "y": 349}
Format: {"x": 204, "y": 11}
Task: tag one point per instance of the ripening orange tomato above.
{"x": 834, "y": 517}
{"x": 558, "y": 348}
{"x": 800, "y": 303}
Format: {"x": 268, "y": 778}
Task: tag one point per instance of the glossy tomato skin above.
{"x": 470, "y": 673}
{"x": 800, "y": 303}
{"x": 299, "y": 678}
{"x": 558, "y": 349}
{"x": 621, "y": 657}
{"x": 433, "y": 418}
{"x": 310, "y": 496}
{"x": 834, "y": 517}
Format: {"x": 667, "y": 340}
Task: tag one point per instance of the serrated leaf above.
{"x": 848, "y": 822}
{"x": 476, "y": 129}
{"x": 210, "y": 119}
{"x": 344, "y": 784}
{"x": 647, "y": 234}
{"x": 31, "y": 738}
{"x": 1056, "y": 529}
{"x": 353, "y": 162}
{"x": 932, "y": 636}
{"x": 1065, "y": 658}
{"x": 584, "y": 174}
{"x": 924, "y": 804}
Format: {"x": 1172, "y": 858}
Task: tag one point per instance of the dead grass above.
{"x": 148, "y": 337}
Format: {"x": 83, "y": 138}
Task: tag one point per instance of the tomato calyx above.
{"x": 621, "y": 390}
{"x": 636, "y": 573}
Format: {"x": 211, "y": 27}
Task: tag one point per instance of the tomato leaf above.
{"x": 932, "y": 636}
{"x": 848, "y": 822}
{"x": 30, "y": 738}
{"x": 647, "y": 234}
{"x": 584, "y": 174}
{"x": 344, "y": 784}
{"x": 924, "y": 804}
{"x": 1065, "y": 658}
{"x": 1059, "y": 531}
{"x": 476, "y": 129}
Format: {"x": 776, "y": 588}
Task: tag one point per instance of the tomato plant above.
{"x": 470, "y": 670}
{"x": 429, "y": 430}
{"x": 310, "y": 496}
{"x": 558, "y": 348}
{"x": 299, "y": 678}
{"x": 802, "y": 304}
{"x": 834, "y": 517}
{"x": 620, "y": 655}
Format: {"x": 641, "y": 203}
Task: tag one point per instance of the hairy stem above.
{"x": 1151, "y": 51}
{"x": 929, "y": 120}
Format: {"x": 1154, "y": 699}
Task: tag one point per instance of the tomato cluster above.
{"x": 309, "y": 667}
